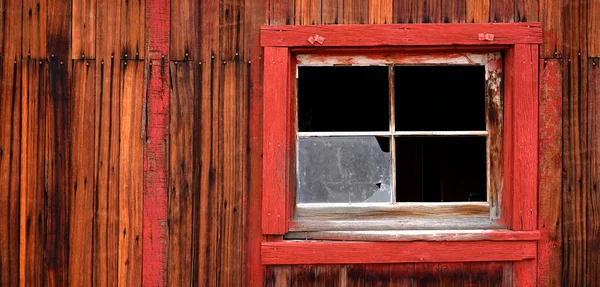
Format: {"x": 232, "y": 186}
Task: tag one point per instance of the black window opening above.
{"x": 378, "y": 134}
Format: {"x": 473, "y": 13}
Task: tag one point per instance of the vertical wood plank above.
{"x": 454, "y": 11}
{"x": 356, "y": 11}
{"x": 83, "y": 29}
{"x": 184, "y": 31}
{"x": 527, "y": 10}
{"x": 502, "y": 11}
{"x": 209, "y": 157}
{"x": 81, "y": 181}
{"x": 10, "y": 140}
{"x": 332, "y": 11}
{"x": 131, "y": 174}
{"x": 133, "y": 23}
{"x": 156, "y": 146}
{"x": 550, "y": 172}
{"x": 380, "y": 11}
{"x": 426, "y": 274}
{"x": 281, "y": 12}
{"x": 417, "y": 11}
{"x": 377, "y": 275}
{"x": 106, "y": 206}
{"x": 593, "y": 19}
{"x": 58, "y": 145}
{"x": 478, "y": 11}
{"x": 275, "y": 117}
{"x": 32, "y": 175}
{"x": 308, "y": 12}
{"x": 451, "y": 274}
{"x": 181, "y": 157}
{"x": 577, "y": 180}
{"x": 401, "y": 275}
{"x": 34, "y": 29}
{"x": 108, "y": 23}
{"x": 232, "y": 34}
{"x": 593, "y": 214}
{"x": 552, "y": 17}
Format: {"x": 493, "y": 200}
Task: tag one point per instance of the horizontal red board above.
{"x": 319, "y": 252}
{"x": 401, "y": 35}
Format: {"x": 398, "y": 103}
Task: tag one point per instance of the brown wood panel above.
{"x": 83, "y": 29}
{"x": 281, "y": 12}
{"x": 10, "y": 140}
{"x": 417, "y": 11}
{"x": 181, "y": 173}
{"x": 232, "y": 33}
{"x": 106, "y": 205}
{"x": 108, "y": 23}
{"x": 502, "y": 11}
{"x": 185, "y": 32}
{"x": 355, "y": 11}
{"x": 32, "y": 217}
{"x": 380, "y": 11}
{"x": 552, "y": 18}
{"x": 332, "y": 11}
{"x": 454, "y": 11}
{"x": 593, "y": 19}
{"x": 307, "y": 12}
{"x": 10, "y": 164}
{"x": 34, "y": 28}
{"x": 82, "y": 180}
{"x": 130, "y": 173}
{"x": 57, "y": 145}
{"x": 592, "y": 204}
{"x": 550, "y": 172}
{"x": 527, "y": 10}
{"x": 478, "y": 11}
{"x": 133, "y": 19}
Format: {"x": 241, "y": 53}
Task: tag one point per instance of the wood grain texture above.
{"x": 550, "y": 172}
{"x": 34, "y": 29}
{"x": 380, "y": 11}
{"x": 83, "y": 29}
{"x": 131, "y": 173}
{"x": 184, "y": 30}
{"x": 82, "y": 180}
{"x": 593, "y": 19}
{"x": 155, "y": 135}
{"x": 307, "y": 12}
{"x": 332, "y": 11}
{"x": 401, "y": 35}
{"x": 527, "y": 10}
{"x": 32, "y": 219}
{"x": 106, "y": 202}
{"x": 181, "y": 173}
{"x": 108, "y": 31}
{"x": 593, "y": 215}
{"x": 275, "y": 147}
{"x": 416, "y": 235}
{"x": 334, "y": 252}
{"x": 10, "y": 140}
{"x": 356, "y": 11}
{"x": 133, "y": 24}
{"x": 552, "y": 17}
{"x": 454, "y": 11}
{"x": 478, "y": 11}
{"x": 502, "y": 11}
{"x": 281, "y": 12}
{"x": 417, "y": 11}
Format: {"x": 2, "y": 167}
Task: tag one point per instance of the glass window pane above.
{"x": 343, "y": 170}
{"x": 440, "y": 98}
{"x": 341, "y": 99}
{"x": 441, "y": 169}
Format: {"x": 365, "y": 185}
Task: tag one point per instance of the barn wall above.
{"x": 130, "y": 140}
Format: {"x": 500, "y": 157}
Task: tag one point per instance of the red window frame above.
{"x": 520, "y": 44}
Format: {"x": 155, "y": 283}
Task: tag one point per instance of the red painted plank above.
{"x": 275, "y": 142}
{"x": 333, "y": 252}
{"x": 550, "y": 172}
{"x": 401, "y": 34}
{"x": 154, "y": 272}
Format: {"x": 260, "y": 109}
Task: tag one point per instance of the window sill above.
{"x": 417, "y": 235}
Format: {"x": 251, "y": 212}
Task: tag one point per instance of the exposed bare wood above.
{"x": 83, "y": 29}
{"x": 478, "y": 11}
{"x": 416, "y": 235}
{"x": 364, "y": 212}
{"x": 410, "y": 223}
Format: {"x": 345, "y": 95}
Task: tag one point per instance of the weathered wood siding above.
{"x": 130, "y": 141}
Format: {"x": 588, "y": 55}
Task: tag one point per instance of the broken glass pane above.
{"x": 343, "y": 170}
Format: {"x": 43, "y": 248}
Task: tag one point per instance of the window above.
{"x": 413, "y": 127}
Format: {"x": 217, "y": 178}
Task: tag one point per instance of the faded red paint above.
{"x": 155, "y": 149}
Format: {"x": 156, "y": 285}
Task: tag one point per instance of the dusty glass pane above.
{"x": 343, "y": 170}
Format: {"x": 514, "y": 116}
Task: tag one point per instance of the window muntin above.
{"x": 481, "y": 130}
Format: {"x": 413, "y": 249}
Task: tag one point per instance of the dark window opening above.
{"x": 343, "y": 99}
{"x": 441, "y": 169}
{"x": 440, "y": 98}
